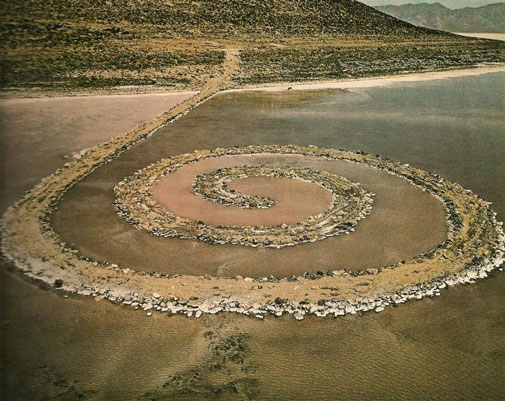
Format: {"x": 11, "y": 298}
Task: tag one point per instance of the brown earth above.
{"x": 296, "y": 199}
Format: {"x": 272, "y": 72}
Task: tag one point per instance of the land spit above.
{"x": 475, "y": 245}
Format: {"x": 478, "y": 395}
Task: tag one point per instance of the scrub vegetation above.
{"x": 78, "y": 45}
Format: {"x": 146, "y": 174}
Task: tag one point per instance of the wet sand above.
{"x": 296, "y": 199}
{"x": 49, "y": 130}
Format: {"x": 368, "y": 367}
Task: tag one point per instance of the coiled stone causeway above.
{"x": 475, "y": 245}
{"x": 134, "y": 201}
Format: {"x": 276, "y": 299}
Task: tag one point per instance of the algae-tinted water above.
{"x": 447, "y": 348}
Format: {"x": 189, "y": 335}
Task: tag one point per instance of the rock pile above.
{"x": 300, "y": 309}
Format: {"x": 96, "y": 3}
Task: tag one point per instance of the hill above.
{"x": 72, "y": 45}
{"x": 489, "y": 18}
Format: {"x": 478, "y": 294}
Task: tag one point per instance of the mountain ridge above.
{"x": 488, "y": 18}
{"x": 220, "y": 17}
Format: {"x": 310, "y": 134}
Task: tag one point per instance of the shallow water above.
{"x": 405, "y": 222}
{"x": 446, "y": 348}
{"x": 39, "y": 135}
{"x": 295, "y": 199}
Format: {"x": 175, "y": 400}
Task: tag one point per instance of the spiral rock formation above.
{"x": 474, "y": 246}
{"x": 134, "y": 201}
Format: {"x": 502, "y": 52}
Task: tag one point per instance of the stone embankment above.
{"x": 323, "y": 308}
{"x": 475, "y": 243}
{"x": 474, "y": 247}
{"x": 134, "y": 202}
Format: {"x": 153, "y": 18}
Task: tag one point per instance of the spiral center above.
{"x": 246, "y": 217}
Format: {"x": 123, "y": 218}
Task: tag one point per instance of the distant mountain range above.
{"x": 448, "y": 3}
{"x": 489, "y": 18}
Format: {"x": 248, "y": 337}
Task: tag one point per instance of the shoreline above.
{"x": 345, "y": 83}
{"x": 17, "y": 100}
{"x": 482, "y": 35}
{"x": 29, "y": 241}
{"x": 360, "y": 83}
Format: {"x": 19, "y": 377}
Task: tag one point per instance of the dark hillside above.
{"x": 73, "y": 45}
{"x": 222, "y": 17}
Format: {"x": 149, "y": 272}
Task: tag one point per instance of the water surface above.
{"x": 446, "y": 348}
